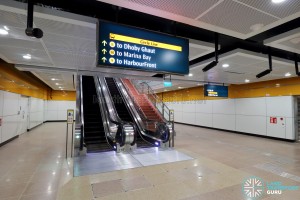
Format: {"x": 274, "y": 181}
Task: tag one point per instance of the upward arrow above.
{"x": 104, "y": 42}
{"x": 104, "y": 59}
{"x": 104, "y": 51}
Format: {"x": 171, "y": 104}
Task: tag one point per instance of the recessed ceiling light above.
{"x": 165, "y": 90}
{"x": 256, "y": 27}
{"x": 278, "y": 1}
{"x": 6, "y": 28}
{"x": 225, "y": 65}
{"x": 190, "y": 74}
{"x": 277, "y": 85}
{"x": 247, "y": 80}
{"x": 53, "y": 79}
{"x": 57, "y": 84}
{"x": 3, "y": 32}
{"x": 287, "y": 74}
{"x": 180, "y": 87}
{"x": 27, "y": 56}
{"x": 198, "y": 83}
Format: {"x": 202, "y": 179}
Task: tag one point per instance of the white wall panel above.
{"x": 11, "y": 103}
{"x": 189, "y": 106}
{"x": 204, "y": 119}
{"x": 223, "y": 121}
{"x": 57, "y": 110}
{"x": 52, "y": 105}
{"x": 51, "y": 115}
{"x": 178, "y": 117}
{"x": 251, "y": 124}
{"x": 251, "y": 106}
{"x": 276, "y": 130}
{"x": 36, "y": 112}
{"x": 10, "y": 125}
{"x": 188, "y": 118}
{"x": 204, "y": 106}
{"x": 177, "y": 106}
{"x": 1, "y": 102}
{"x": 290, "y": 128}
{"x": 224, "y": 106}
{"x": 280, "y": 106}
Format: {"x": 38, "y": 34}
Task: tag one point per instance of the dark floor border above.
{"x": 55, "y": 121}
{"x": 7, "y": 141}
{"x": 35, "y": 126}
{"x": 242, "y": 133}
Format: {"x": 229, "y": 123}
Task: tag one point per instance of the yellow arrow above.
{"x": 104, "y": 42}
{"x": 104, "y": 51}
{"x": 104, "y": 59}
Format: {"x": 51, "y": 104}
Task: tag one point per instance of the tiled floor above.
{"x": 32, "y": 167}
{"x": 96, "y": 163}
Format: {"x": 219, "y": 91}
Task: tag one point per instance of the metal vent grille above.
{"x": 13, "y": 19}
{"x": 16, "y": 54}
{"x": 62, "y": 28}
{"x": 72, "y": 61}
{"x": 4, "y": 42}
{"x": 190, "y": 8}
{"x": 70, "y": 45}
{"x": 236, "y": 17}
{"x": 279, "y": 10}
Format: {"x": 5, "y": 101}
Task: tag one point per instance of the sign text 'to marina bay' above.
{"x": 132, "y": 48}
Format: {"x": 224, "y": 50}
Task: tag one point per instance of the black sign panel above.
{"x": 131, "y": 48}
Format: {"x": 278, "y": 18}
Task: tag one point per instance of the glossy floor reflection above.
{"x": 32, "y": 167}
{"x": 95, "y": 163}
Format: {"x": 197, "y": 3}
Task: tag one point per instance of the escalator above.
{"x": 94, "y": 133}
{"x": 123, "y": 112}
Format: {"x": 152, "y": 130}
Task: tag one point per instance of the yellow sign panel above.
{"x": 140, "y": 41}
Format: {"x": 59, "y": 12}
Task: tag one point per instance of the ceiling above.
{"x": 69, "y": 43}
{"x": 289, "y": 41}
{"x": 238, "y": 18}
{"x": 242, "y": 65}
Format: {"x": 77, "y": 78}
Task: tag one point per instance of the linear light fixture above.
{"x": 268, "y": 71}
{"x": 215, "y": 62}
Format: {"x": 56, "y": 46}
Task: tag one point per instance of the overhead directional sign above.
{"x": 215, "y": 91}
{"x": 132, "y": 48}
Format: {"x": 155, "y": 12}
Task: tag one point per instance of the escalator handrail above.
{"x": 111, "y": 100}
{"x": 105, "y": 104}
{"x": 81, "y": 115}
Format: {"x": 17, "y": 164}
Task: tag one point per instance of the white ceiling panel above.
{"x": 13, "y": 19}
{"x": 289, "y": 41}
{"x": 38, "y": 57}
{"x": 63, "y": 80}
{"x": 190, "y": 8}
{"x": 283, "y": 10}
{"x": 237, "y": 18}
{"x": 70, "y": 45}
{"x": 62, "y": 28}
{"x": 243, "y": 65}
{"x": 72, "y": 60}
